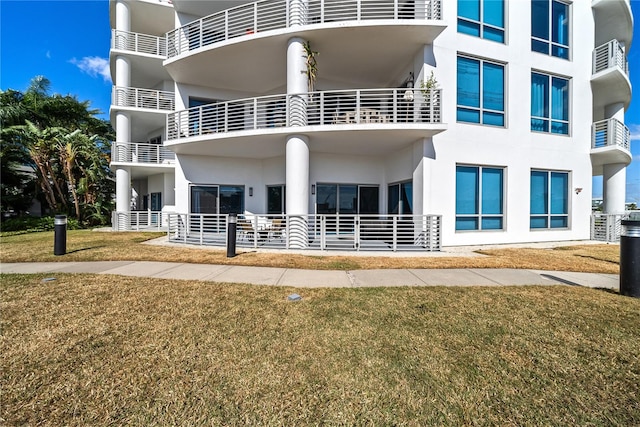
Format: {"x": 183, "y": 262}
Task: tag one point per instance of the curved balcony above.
{"x": 610, "y": 143}
{"x": 141, "y": 153}
{"x": 369, "y": 39}
{"x": 610, "y": 79}
{"x": 614, "y": 21}
{"x": 139, "y": 43}
{"x": 374, "y": 121}
{"x": 135, "y": 97}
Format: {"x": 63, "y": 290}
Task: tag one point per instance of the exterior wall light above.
{"x": 250, "y": 191}
{"x": 313, "y": 189}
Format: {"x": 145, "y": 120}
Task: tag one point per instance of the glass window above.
{"x": 275, "y": 199}
{"x": 217, "y": 199}
{"x": 549, "y": 199}
{"x": 550, "y": 27}
{"x": 549, "y": 104}
{"x": 479, "y": 198}
{"x": 346, "y": 199}
{"x": 480, "y": 92}
{"x": 400, "y": 198}
{"x": 482, "y": 18}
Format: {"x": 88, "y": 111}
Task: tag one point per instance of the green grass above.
{"x": 107, "y": 350}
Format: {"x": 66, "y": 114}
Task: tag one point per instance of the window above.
{"x": 479, "y": 198}
{"x": 346, "y": 199}
{"x": 214, "y": 199}
{"x": 550, "y": 28}
{"x": 482, "y": 18}
{"x": 549, "y": 199}
{"x": 549, "y": 104}
{"x": 400, "y": 198}
{"x": 276, "y": 199}
{"x": 480, "y": 93}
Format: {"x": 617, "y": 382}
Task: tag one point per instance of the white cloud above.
{"x": 48, "y": 54}
{"x": 94, "y": 66}
{"x": 635, "y": 132}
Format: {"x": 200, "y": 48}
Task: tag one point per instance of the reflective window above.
{"x": 479, "y": 198}
{"x": 482, "y": 18}
{"x": 480, "y": 92}
{"x": 549, "y": 199}
{"x": 549, "y": 104}
{"x": 550, "y": 27}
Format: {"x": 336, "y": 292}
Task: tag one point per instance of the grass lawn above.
{"x": 106, "y": 350}
{"x": 85, "y": 245}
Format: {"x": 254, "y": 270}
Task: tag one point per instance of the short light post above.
{"x": 630, "y": 258}
{"x": 232, "y": 221}
{"x": 60, "y": 235}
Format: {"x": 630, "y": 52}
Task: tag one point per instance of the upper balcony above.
{"x": 149, "y": 99}
{"x": 143, "y": 154}
{"x": 614, "y": 21}
{"x": 361, "y": 42}
{"x": 146, "y": 16}
{"x": 144, "y": 44}
{"x": 610, "y": 143}
{"x": 367, "y": 121}
{"x": 610, "y": 80}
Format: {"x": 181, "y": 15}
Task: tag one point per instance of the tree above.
{"x": 66, "y": 146}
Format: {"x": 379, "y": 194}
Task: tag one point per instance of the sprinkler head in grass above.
{"x": 294, "y": 297}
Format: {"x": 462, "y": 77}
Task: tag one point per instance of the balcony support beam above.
{"x": 614, "y": 187}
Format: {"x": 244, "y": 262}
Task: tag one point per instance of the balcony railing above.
{"x": 277, "y": 14}
{"x": 139, "y": 221}
{"x": 610, "y": 55}
{"x": 132, "y": 152}
{"x": 312, "y": 232}
{"x": 139, "y": 43}
{"x": 607, "y": 227}
{"x": 143, "y": 98}
{"x": 610, "y": 132}
{"x": 328, "y": 108}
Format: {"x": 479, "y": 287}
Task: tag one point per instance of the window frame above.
{"x": 479, "y": 215}
{"x": 481, "y": 24}
{"x": 549, "y": 106}
{"x": 481, "y": 109}
{"x": 550, "y": 216}
{"x": 550, "y": 44}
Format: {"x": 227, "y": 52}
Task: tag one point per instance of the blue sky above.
{"x": 68, "y": 42}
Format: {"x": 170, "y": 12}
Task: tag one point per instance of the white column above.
{"x": 614, "y": 187}
{"x": 123, "y": 16}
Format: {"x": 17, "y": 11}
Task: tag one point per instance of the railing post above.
{"x": 255, "y": 113}
{"x": 358, "y": 106}
{"x": 358, "y": 9}
{"x": 255, "y": 17}
{"x": 226, "y": 24}
{"x": 395, "y": 9}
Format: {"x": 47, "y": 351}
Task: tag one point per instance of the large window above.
{"x": 479, "y": 198}
{"x": 480, "y": 94}
{"x": 482, "y": 18}
{"x": 347, "y": 199}
{"x": 217, "y": 199}
{"x": 549, "y": 199}
{"x": 549, "y": 104}
{"x": 550, "y": 27}
{"x": 276, "y": 202}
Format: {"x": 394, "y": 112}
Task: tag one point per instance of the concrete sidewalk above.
{"x": 320, "y": 278}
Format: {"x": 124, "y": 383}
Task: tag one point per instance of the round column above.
{"x": 614, "y": 187}
{"x": 123, "y": 16}
{"x": 123, "y": 197}
{"x": 297, "y": 179}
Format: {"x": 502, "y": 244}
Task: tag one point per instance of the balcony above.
{"x": 150, "y": 99}
{"x": 271, "y": 15}
{"x": 367, "y": 115}
{"x": 139, "y": 43}
{"x": 610, "y": 143}
{"x": 614, "y": 20}
{"x": 610, "y": 79}
{"x": 141, "y": 153}
{"x": 361, "y": 42}
{"x": 316, "y": 232}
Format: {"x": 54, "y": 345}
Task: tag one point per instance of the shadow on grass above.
{"x": 86, "y": 249}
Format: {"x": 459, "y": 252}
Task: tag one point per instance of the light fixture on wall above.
{"x": 250, "y": 191}
{"x": 578, "y": 190}
{"x": 313, "y": 189}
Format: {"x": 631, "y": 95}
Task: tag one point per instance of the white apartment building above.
{"x": 369, "y": 124}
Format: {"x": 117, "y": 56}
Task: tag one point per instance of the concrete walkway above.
{"x": 320, "y": 278}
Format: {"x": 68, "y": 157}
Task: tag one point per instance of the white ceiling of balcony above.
{"x": 204, "y": 8}
{"x": 154, "y": 18}
{"x": 614, "y": 21}
{"x": 366, "y": 54}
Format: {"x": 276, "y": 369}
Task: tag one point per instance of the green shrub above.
{"x": 30, "y": 224}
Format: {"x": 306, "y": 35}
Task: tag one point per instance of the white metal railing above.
{"x": 142, "y": 98}
{"x": 134, "y": 152}
{"x": 610, "y": 132}
{"x": 607, "y": 227}
{"x": 312, "y": 232}
{"x": 328, "y": 108}
{"x": 139, "y": 221}
{"x": 140, "y": 43}
{"x": 270, "y": 15}
{"x": 610, "y": 55}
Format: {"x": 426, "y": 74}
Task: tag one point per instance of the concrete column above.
{"x": 297, "y": 82}
{"x": 614, "y": 187}
{"x": 123, "y": 16}
{"x": 297, "y": 187}
{"x": 123, "y": 197}
{"x": 123, "y": 72}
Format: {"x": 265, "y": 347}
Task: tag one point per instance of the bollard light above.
{"x": 630, "y": 258}
{"x": 232, "y": 221}
{"x": 60, "y": 235}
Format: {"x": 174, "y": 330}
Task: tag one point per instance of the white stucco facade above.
{"x": 245, "y": 118}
